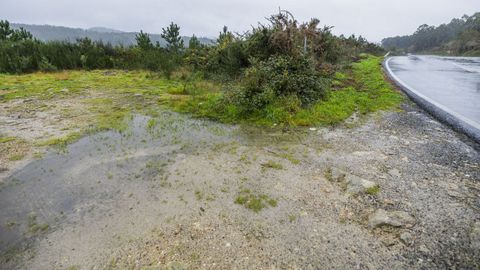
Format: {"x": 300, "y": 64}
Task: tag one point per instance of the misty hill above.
{"x": 107, "y": 35}
{"x": 460, "y": 36}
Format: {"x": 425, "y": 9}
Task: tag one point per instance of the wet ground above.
{"x": 165, "y": 193}
{"x": 453, "y": 82}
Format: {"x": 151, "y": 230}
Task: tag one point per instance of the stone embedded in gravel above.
{"x": 407, "y": 238}
{"x": 390, "y": 218}
{"x": 353, "y": 184}
{"x": 356, "y": 185}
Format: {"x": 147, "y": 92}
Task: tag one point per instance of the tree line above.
{"x": 115, "y": 37}
{"x": 459, "y": 37}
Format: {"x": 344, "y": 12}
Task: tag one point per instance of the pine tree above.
{"x": 172, "y": 36}
{"x": 5, "y": 30}
{"x": 143, "y": 41}
{"x": 194, "y": 43}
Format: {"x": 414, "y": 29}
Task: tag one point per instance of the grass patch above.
{"x": 198, "y": 195}
{"x": 272, "y": 164}
{"x": 6, "y": 139}
{"x": 34, "y": 227}
{"x": 290, "y": 158}
{"x": 373, "y": 190}
{"x": 16, "y": 157}
{"x": 62, "y": 141}
{"x": 151, "y": 124}
{"x": 254, "y": 202}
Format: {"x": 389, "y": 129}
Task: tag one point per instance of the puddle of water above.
{"x": 96, "y": 171}
{"x": 99, "y": 171}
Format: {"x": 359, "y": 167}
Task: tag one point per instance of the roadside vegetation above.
{"x": 283, "y": 73}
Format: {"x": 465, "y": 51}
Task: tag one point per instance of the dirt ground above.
{"x": 180, "y": 193}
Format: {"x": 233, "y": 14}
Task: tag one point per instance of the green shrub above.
{"x": 279, "y": 77}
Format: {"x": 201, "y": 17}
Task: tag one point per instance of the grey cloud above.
{"x": 374, "y": 19}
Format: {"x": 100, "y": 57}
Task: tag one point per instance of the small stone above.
{"x": 389, "y": 202}
{"x": 65, "y": 90}
{"x": 390, "y": 218}
{"x": 356, "y": 185}
{"x": 407, "y": 238}
{"x": 389, "y": 241}
{"x": 312, "y": 129}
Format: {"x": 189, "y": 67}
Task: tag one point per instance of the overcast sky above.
{"x": 374, "y": 19}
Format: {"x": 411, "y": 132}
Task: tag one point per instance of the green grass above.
{"x": 110, "y": 100}
{"x": 16, "y": 157}
{"x": 361, "y": 89}
{"x": 114, "y": 96}
{"x": 373, "y": 190}
{"x": 61, "y": 141}
{"x": 6, "y": 139}
{"x": 254, "y": 202}
{"x": 272, "y": 164}
{"x": 34, "y": 227}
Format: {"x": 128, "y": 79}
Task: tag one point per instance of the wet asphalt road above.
{"x": 449, "y": 83}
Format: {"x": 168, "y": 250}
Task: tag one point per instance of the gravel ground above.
{"x": 187, "y": 215}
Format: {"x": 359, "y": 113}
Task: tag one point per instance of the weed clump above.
{"x": 373, "y": 190}
{"x": 34, "y": 227}
{"x": 272, "y": 164}
{"x": 254, "y": 202}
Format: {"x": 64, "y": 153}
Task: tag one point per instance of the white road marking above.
{"x": 442, "y": 107}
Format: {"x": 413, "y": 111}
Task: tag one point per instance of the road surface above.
{"x": 448, "y": 87}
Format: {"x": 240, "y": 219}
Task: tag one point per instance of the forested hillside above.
{"x": 459, "y": 37}
{"x": 106, "y": 35}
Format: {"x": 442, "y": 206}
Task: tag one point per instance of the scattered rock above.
{"x": 390, "y": 218}
{"x": 356, "y": 185}
{"x": 137, "y": 95}
{"x": 407, "y": 238}
{"x": 65, "y": 90}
